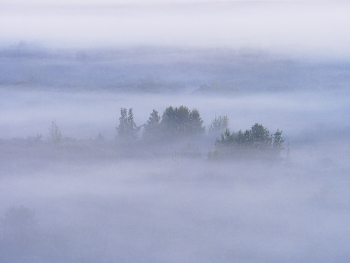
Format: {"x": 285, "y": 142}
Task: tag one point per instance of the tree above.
{"x": 55, "y": 134}
{"x": 254, "y": 143}
{"x": 181, "y": 122}
{"x": 176, "y": 120}
{"x": 34, "y": 139}
{"x": 127, "y": 128}
{"x": 260, "y": 137}
{"x": 196, "y": 123}
{"x": 277, "y": 144}
{"x": 218, "y": 125}
{"x": 151, "y": 128}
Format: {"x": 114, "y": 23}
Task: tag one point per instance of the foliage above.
{"x": 218, "y": 125}
{"x": 196, "y": 123}
{"x": 127, "y": 128}
{"x": 181, "y": 122}
{"x": 260, "y": 137}
{"x": 55, "y": 134}
{"x": 151, "y": 128}
{"x": 278, "y": 141}
{"x": 177, "y": 127}
{"x": 254, "y": 143}
{"x": 35, "y": 139}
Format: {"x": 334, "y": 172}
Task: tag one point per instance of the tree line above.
{"x": 177, "y": 130}
{"x": 180, "y": 124}
{"x": 175, "y": 123}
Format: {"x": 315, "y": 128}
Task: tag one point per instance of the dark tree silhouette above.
{"x": 218, "y": 125}
{"x": 181, "y": 122}
{"x": 152, "y": 127}
{"x": 251, "y": 144}
{"x": 127, "y": 128}
{"x": 55, "y": 133}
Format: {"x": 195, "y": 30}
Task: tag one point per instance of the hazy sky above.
{"x": 316, "y": 28}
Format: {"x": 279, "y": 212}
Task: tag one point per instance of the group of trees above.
{"x": 180, "y": 124}
{"x": 175, "y": 124}
{"x": 178, "y": 130}
{"x": 254, "y": 143}
{"x": 127, "y": 128}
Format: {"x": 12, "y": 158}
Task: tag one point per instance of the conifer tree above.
{"x": 152, "y": 127}
{"x": 127, "y": 128}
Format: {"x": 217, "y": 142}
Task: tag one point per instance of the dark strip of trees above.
{"x": 178, "y": 131}
{"x": 181, "y": 125}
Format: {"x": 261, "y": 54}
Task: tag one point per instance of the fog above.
{"x": 84, "y": 89}
{"x": 133, "y": 210}
{"x": 91, "y": 198}
{"x": 84, "y": 115}
{"x": 89, "y": 172}
{"x": 303, "y": 28}
{"x": 123, "y": 212}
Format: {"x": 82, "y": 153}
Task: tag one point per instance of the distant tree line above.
{"x": 177, "y": 130}
{"x": 254, "y": 143}
{"x": 181, "y": 124}
{"x": 175, "y": 123}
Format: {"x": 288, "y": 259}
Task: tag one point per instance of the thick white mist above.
{"x": 84, "y": 115}
{"x": 303, "y": 28}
